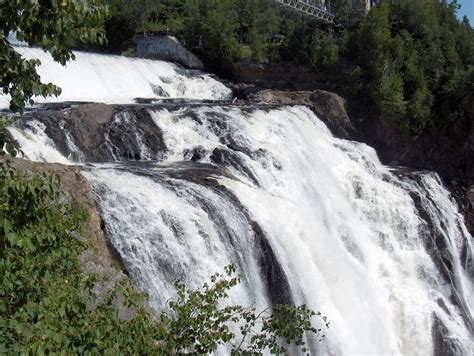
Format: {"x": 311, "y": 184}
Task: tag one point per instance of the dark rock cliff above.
{"x": 102, "y": 132}
{"x": 330, "y": 107}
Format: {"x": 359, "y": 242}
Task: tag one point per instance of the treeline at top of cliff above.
{"x": 413, "y": 59}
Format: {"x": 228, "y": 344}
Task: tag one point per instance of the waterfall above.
{"x": 308, "y": 218}
{"x": 119, "y": 80}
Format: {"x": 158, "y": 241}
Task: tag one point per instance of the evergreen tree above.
{"x": 415, "y": 55}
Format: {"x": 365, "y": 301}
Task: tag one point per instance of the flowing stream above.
{"x": 308, "y": 218}
{"x": 120, "y": 80}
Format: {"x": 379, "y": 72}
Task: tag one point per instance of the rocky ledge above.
{"x": 103, "y": 136}
{"x": 329, "y": 107}
{"x": 100, "y": 259}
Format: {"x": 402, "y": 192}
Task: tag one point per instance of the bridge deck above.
{"x": 313, "y": 8}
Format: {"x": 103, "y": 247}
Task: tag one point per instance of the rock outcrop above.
{"x": 167, "y": 48}
{"x": 102, "y": 132}
{"x": 329, "y": 107}
{"x": 435, "y": 149}
{"x": 470, "y": 194}
{"x": 281, "y": 75}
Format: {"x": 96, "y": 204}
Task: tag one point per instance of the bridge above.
{"x": 319, "y": 9}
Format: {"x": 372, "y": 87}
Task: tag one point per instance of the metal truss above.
{"x": 313, "y": 8}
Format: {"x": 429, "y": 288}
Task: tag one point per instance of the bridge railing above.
{"x": 319, "y": 9}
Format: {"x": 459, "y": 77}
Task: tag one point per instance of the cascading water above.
{"x": 308, "y": 218}
{"x": 119, "y": 80}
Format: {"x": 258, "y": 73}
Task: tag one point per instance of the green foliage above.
{"x": 416, "y": 57}
{"x": 413, "y": 56}
{"x": 387, "y": 91}
{"x": 130, "y": 16}
{"x": 199, "y": 324}
{"x": 325, "y": 53}
{"x": 258, "y": 45}
{"x": 373, "y": 36}
{"x": 356, "y": 81}
{"x": 7, "y": 146}
{"x": 343, "y": 10}
{"x": 312, "y": 47}
{"x": 38, "y": 257}
{"x": 224, "y": 26}
{"x": 215, "y": 21}
{"x": 44, "y": 293}
{"x": 245, "y": 11}
{"x": 221, "y": 31}
{"x": 50, "y": 25}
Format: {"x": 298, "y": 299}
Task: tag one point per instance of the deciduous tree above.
{"x": 51, "y": 25}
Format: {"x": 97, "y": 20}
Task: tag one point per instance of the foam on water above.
{"x": 366, "y": 245}
{"x": 119, "y": 80}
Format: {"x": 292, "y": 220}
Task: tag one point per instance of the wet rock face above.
{"x": 101, "y": 133}
{"x": 464, "y": 197}
{"x": 196, "y": 154}
{"x": 434, "y": 149}
{"x": 330, "y": 107}
{"x": 470, "y": 195}
{"x": 131, "y": 135}
{"x": 443, "y": 344}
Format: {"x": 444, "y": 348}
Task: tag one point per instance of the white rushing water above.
{"x": 365, "y": 245}
{"x": 119, "y": 80}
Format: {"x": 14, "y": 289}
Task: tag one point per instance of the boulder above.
{"x": 329, "y": 107}
{"x": 167, "y": 48}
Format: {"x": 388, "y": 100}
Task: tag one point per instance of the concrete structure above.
{"x": 168, "y": 48}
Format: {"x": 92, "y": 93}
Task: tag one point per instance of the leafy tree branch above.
{"x": 53, "y": 25}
